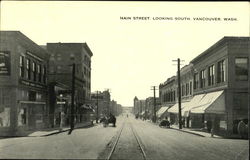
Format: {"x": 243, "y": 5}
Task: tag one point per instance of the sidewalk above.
{"x": 51, "y": 131}
{"x": 195, "y": 132}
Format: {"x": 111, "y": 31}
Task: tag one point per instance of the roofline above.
{"x": 216, "y": 45}
{"x": 19, "y": 33}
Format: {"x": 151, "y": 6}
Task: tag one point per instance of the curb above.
{"x": 57, "y": 132}
{"x": 197, "y": 134}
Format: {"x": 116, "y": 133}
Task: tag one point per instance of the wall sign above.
{"x": 4, "y": 63}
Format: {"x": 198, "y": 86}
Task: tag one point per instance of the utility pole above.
{"x": 179, "y": 92}
{"x": 154, "y": 119}
{"x": 97, "y": 114}
{"x": 72, "y": 113}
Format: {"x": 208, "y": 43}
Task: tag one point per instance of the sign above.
{"x": 24, "y": 82}
{"x": 4, "y": 63}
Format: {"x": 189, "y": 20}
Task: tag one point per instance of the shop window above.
{"x": 241, "y": 69}
{"x": 221, "y": 71}
{"x": 21, "y": 67}
{"x": 4, "y": 116}
{"x": 202, "y": 78}
{"x": 211, "y": 75}
{"x": 22, "y": 117}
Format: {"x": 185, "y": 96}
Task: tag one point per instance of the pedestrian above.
{"x": 241, "y": 128}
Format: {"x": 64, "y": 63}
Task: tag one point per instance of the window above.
{"x": 28, "y": 69}
{"x": 241, "y": 69}
{"x": 190, "y": 86}
{"x": 182, "y": 90}
{"x": 44, "y": 75}
{"x": 196, "y": 80}
{"x": 21, "y": 65}
{"x": 34, "y": 70}
{"x": 39, "y": 71}
{"x": 221, "y": 71}
{"x": 202, "y": 78}
{"x": 211, "y": 75}
{"x": 32, "y": 96}
{"x": 187, "y": 89}
{"x": 240, "y": 101}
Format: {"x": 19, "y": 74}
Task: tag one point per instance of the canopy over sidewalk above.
{"x": 162, "y": 110}
{"x": 213, "y": 102}
{"x": 175, "y": 108}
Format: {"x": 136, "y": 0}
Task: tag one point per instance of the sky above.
{"x": 129, "y": 56}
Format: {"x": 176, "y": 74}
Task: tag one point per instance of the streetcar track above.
{"x": 136, "y": 137}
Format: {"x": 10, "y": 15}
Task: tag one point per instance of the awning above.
{"x": 192, "y": 103}
{"x": 175, "y": 108}
{"x": 213, "y": 102}
{"x": 162, "y": 110}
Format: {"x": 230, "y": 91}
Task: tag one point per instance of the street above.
{"x": 97, "y": 143}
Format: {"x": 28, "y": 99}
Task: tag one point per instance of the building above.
{"x": 221, "y": 78}
{"x": 62, "y": 58}
{"x": 186, "y": 82}
{"x": 150, "y": 109}
{"x": 101, "y": 101}
{"x": 23, "y": 84}
{"x": 168, "y": 97}
{"x": 215, "y": 87}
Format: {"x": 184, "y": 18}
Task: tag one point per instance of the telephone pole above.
{"x": 72, "y": 113}
{"x": 154, "y": 118}
{"x": 97, "y": 114}
{"x": 179, "y": 91}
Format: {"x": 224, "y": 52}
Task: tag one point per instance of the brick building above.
{"x": 62, "y": 56}
{"x": 23, "y": 84}
{"x": 220, "y": 80}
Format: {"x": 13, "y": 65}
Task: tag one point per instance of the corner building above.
{"x": 23, "y": 79}
{"x": 221, "y": 83}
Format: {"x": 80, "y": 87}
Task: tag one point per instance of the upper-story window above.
{"x": 202, "y": 78}
{"x": 21, "y": 67}
{"x": 28, "y": 67}
{"x": 241, "y": 69}
{"x": 196, "y": 80}
{"x": 211, "y": 75}
{"x": 39, "y": 72}
{"x": 44, "y": 74}
{"x": 34, "y": 70}
{"x": 190, "y": 86}
{"x": 221, "y": 71}
{"x": 187, "y": 89}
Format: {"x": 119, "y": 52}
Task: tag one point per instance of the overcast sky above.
{"x": 129, "y": 56}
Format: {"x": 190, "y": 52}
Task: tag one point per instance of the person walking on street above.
{"x": 241, "y": 128}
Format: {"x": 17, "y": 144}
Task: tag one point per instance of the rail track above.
{"x": 118, "y": 138}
